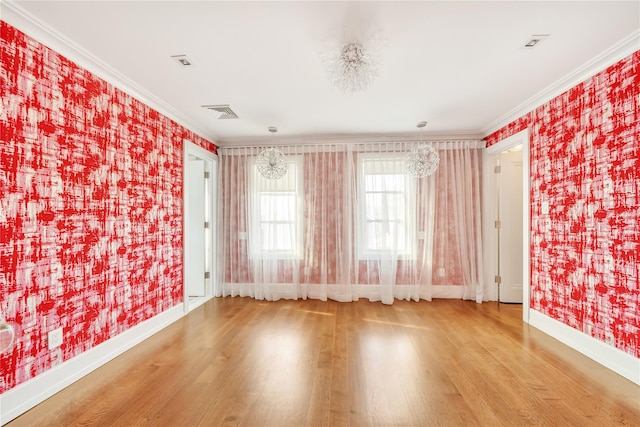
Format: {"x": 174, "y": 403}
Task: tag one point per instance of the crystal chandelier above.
{"x": 423, "y": 159}
{"x": 271, "y": 163}
{"x": 353, "y": 64}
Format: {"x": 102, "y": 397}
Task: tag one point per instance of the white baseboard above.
{"x": 341, "y": 293}
{"x": 194, "y": 303}
{"x": 612, "y": 358}
{"x": 25, "y": 396}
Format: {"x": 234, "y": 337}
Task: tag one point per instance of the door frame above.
{"x": 490, "y": 213}
{"x": 211, "y": 165}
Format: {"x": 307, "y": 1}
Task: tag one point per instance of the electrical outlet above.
{"x": 55, "y": 338}
{"x": 545, "y": 208}
{"x": 442, "y": 272}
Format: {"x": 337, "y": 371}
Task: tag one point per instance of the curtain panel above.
{"x": 346, "y": 222}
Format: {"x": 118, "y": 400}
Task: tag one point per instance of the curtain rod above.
{"x": 405, "y": 145}
{"x": 330, "y": 139}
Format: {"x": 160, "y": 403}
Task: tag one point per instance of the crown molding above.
{"x": 615, "y": 53}
{"x": 19, "y": 18}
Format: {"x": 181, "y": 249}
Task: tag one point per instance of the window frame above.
{"x": 410, "y": 218}
{"x": 255, "y": 222}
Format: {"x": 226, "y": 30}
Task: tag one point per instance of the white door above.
{"x": 491, "y": 213}
{"x": 195, "y": 231}
{"x": 510, "y": 209}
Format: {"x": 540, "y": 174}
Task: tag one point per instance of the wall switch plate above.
{"x": 55, "y": 338}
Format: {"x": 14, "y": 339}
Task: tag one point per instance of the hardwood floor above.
{"x": 241, "y": 362}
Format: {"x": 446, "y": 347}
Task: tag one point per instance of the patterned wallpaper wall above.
{"x": 585, "y": 162}
{"x": 90, "y": 207}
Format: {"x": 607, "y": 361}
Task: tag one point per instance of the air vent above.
{"x": 223, "y": 110}
{"x": 534, "y": 41}
{"x": 182, "y": 60}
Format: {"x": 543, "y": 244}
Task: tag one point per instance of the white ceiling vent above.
{"x": 534, "y": 41}
{"x": 224, "y": 112}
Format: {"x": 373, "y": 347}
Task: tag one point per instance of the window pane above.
{"x": 285, "y": 240}
{"x": 266, "y": 207}
{"x": 278, "y": 237}
{"x": 384, "y": 182}
{"x": 386, "y": 236}
{"x": 395, "y": 182}
{"x": 275, "y": 213}
{"x": 277, "y": 207}
{"x": 373, "y": 206}
{"x": 385, "y": 206}
{"x": 399, "y": 232}
{"x": 396, "y": 207}
{"x": 374, "y": 236}
{"x": 387, "y": 197}
{"x": 373, "y": 182}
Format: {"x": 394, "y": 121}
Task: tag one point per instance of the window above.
{"x": 275, "y": 213}
{"x": 386, "y": 206}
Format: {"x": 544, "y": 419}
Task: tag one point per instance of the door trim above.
{"x": 521, "y": 137}
{"x": 211, "y": 161}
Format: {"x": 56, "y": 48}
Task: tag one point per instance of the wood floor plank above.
{"x": 241, "y": 362}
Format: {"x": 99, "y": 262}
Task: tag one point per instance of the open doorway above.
{"x": 506, "y": 220}
{"x": 199, "y": 192}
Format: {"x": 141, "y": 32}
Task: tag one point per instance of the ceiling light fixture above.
{"x": 182, "y": 60}
{"x": 535, "y": 40}
{"x": 271, "y": 163}
{"x": 423, "y": 159}
{"x": 353, "y": 63}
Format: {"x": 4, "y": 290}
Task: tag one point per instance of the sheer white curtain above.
{"x": 346, "y": 222}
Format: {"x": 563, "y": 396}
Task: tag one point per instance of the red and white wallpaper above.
{"x": 585, "y": 162}
{"x": 90, "y": 207}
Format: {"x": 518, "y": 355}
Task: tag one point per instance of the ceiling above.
{"x": 461, "y": 66}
